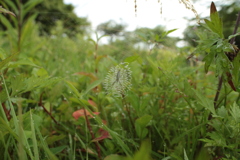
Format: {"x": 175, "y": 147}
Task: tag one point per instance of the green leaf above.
{"x": 144, "y": 120}
{"x": 181, "y": 136}
{"x": 5, "y": 22}
{"x": 203, "y": 153}
{"x": 59, "y": 149}
{"x": 93, "y": 85}
{"x": 218, "y": 139}
{"x": 48, "y": 152}
{"x": 74, "y": 89}
{"x": 2, "y": 54}
{"x": 208, "y": 59}
{"x": 21, "y": 84}
{"x": 185, "y": 155}
{"x": 144, "y": 152}
{"x": 3, "y": 96}
{"x": 205, "y": 102}
{"x": 114, "y": 157}
{"x": 141, "y": 132}
{"x": 222, "y": 112}
{"x": 2, "y": 10}
{"x": 51, "y": 139}
{"x": 30, "y": 5}
{"x": 131, "y": 59}
{"x": 215, "y": 25}
{"x": 235, "y": 112}
{"x": 168, "y": 32}
{"x": 22, "y": 62}
{"x": 99, "y": 58}
{"x": 7, "y": 60}
{"x": 28, "y": 29}
{"x": 12, "y": 5}
{"x": 39, "y": 72}
{"x": 93, "y": 41}
{"x": 232, "y": 36}
{"x": 35, "y": 144}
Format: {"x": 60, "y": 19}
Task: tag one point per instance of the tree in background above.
{"x": 48, "y": 14}
{"x": 111, "y": 28}
{"x": 156, "y": 36}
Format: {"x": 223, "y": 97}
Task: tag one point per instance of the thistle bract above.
{"x": 118, "y": 80}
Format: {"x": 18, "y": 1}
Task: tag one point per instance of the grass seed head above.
{"x": 118, "y": 80}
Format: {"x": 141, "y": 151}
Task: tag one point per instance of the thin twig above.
{"x": 92, "y": 134}
{"x": 236, "y": 27}
{"x": 49, "y": 113}
{"x": 218, "y": 91}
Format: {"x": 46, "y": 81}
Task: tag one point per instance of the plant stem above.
{"x": 220, "y": 82}
{"x": 236, "y": 27}
{"x": 49, "y": 113}
{"x": 19, "y": 17}
{"x": 92, "y": 135}
{"x": 218, "y": 91}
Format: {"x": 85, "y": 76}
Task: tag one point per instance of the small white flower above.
{"x": 118, "y": 80}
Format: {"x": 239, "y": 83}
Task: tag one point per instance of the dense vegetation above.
{"x": 64, "y": 95}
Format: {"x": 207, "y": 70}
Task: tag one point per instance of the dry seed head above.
{"x": 190, "y": 6}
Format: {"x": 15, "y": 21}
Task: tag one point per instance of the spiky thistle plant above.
{"x": 118, "y": 80}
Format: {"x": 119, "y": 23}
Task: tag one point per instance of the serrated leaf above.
{"x": 205, "y": 102}
{"x": 22, "y": 84}
{"x": 35, "y": 82}
{"x": 222, "y": 112}
{"x": 18, "y": 84}
{"x": 218, "y": 139}
{"x": 208, "y": 59}
{"x": 211, "y": 26}
{"x": 235, "y": 112}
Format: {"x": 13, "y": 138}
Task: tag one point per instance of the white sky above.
{"x": 148, "y": 13}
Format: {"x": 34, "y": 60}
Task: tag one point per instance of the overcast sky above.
{"x": 173, "y": 14}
